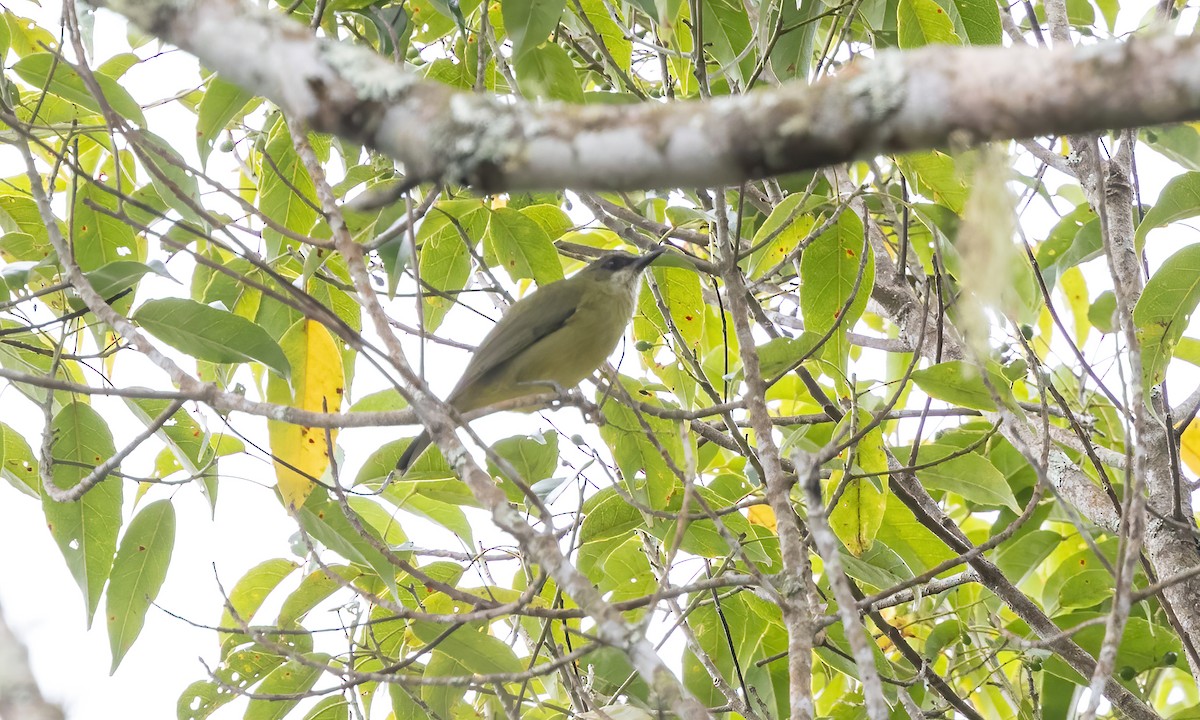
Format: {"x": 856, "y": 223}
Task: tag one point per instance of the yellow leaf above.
{"x": 1074, "y": 288}
{"x": 762, "y": 515}
{"x": 302, "y": 453}
{"x": 1045, "y": 326}
{"x": 1189, "y": 446}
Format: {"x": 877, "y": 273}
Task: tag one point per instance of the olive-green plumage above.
{"x": 553, "y": 338}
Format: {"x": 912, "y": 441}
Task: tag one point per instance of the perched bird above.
{"x": 549, "y": 340}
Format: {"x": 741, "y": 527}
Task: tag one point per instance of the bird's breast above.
{"x": 585, "y": 341}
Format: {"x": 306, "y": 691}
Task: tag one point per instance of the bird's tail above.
{"x": 413, "y": 451}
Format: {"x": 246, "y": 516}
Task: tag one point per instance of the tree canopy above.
{"x": 903, "y": 428}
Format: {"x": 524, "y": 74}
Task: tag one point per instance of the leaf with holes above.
{"x": 86, "y": 530}
{"x": 137, "y": 574}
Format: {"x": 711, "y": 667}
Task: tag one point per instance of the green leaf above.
{"x": 240, "y": 670}
{"x": 879, "y": 567}
{"x": 530, "y": 22}
{"x": 86, "y": 531}
{"x": 521, "y": 247}
{"x": 533, "y": 457}
{"x": 781, "y": 354}
{"x": 1109, "y": 9}
{"x": 1080, "y": 13}
{"x": 1178, "y": 143}
{"x": 792, "y": 55}
{"x": 101, "y": 238}
{"x": 5, "y": 39}
{"x": 550, "y": 218}
{"x": 207, "y": 333}
{"x": 701, "y": 537}
{"x": 924, "y": 22}
{"x": 1019, "y": 558}
{"x": 19, "y": 216}
{"x": 334, "y": 707}
{"x": 681, "y": 293}
{"x": 440, "y": 501}
{"x": 201, "y": 699}
{"x": 750, "y": 630}
{"x": 381, "y": 401}
{"x": 326, "y": 522}
{"x": 286, "y": 193}
{"x": 959, "y": 383}
{"x": 138, "y": 573}
{"x": 441, "y": 699}
{"x": 1179, "y": 199}
{"x": 110, "y": 279}
{"x": 445, "y": 258}
{"x": 176, "y": 185}
{"x": 404, "y": 704}
{"x": 1142, "y": 646}
{"x": 315, "y": 587}
{"x": 291, "y": 678}
{"x": 1101, "y": 312}
{"x": 829, "y": 268}
{"x": 971, "y": 475}
{"x": 727, "y": 33}
{"x": 449, "y": 72}
{"x": 1164, "y": 310}
{"x": 1061, "y": 257}
{"x": 835, "y": 281}
{"x": 608, "y": 548}
{"x": 942, "y": 636}
{"x": 17, "y": 464}
{"x": 247, "y": 597}
{"x": 790, "y": 223}
{"x": 185, "y": 436}
{"x": 902, "y": 533}
{"x": 222, "y": 102}
{"x": 1187, "y": 349}
{"x": 858, "y": 514}
{"x": 934, "y": 174}
{"x": 1086, "y": 589}
{"x": 31, "y": 354}
{"x": 620, "y": 47}
{"x": 633, "y": 451}
{"x": 44, "y": 70}
{"x": 547, "y": 72}
{"x": 478, "y": 652}
{"x": 981, "y": 20}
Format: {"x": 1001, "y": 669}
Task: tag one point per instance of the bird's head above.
{"x": 619, "y": 268}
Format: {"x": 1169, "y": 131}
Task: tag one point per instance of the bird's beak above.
{"x": 646, "y": 260}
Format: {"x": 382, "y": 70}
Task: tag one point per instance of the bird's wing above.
{"x": 518, "y": 330}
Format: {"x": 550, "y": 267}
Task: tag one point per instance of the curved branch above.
{"x": 899, "y": 101}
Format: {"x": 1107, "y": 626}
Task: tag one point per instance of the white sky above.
{"x": 43, "y": 603}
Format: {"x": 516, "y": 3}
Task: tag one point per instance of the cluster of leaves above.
{"x": 268, "y": 311}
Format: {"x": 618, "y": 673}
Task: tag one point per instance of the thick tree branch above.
{"x": 899, "y": 101}
{"x": 19, "y": 694}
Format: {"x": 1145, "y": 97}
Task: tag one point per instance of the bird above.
{"x": 549, "y": 340}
